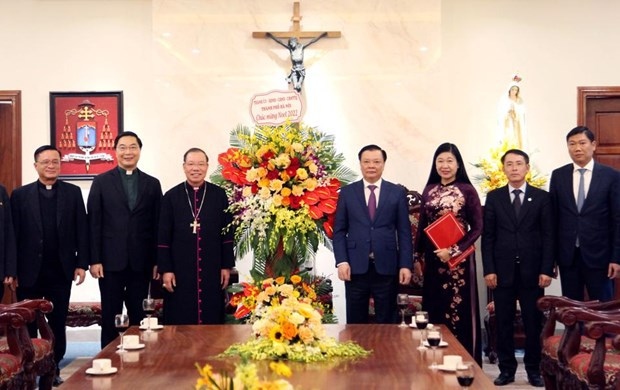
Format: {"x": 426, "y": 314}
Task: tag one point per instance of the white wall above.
{"x": 372, "y": 85}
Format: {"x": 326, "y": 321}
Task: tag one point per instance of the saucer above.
{"x": 446, "y": 368}
{"x": 413, "y": 325}
{"x": 131, "y": 348}
{"x": 156, "y": 327}
{"x": 441, "y": 344}
{"x": 91, "y": 371}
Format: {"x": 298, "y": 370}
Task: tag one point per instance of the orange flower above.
{"x": 289, "y": 330}
{"x": 295, "y": 279}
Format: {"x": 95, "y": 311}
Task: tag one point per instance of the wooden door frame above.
{"x": 14, "y": 99}
{"x": 585, "y": 93}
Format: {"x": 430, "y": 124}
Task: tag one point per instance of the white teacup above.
{"x": 102, "y": 365}
{"x": 152, "y": 320}
{"x": 452, "y": 361}
{"x": 131, "y": 341}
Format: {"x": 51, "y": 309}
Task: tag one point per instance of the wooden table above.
{"x": 168, "y": 360}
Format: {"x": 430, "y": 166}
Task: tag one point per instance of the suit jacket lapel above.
{"x": 60, "y": 203}
{"x": 141, "y": 189}
{"x": 507, "y": 204}
{"x": 118, "y": 186}
{"x": 595, "y": 182}
{"x": 526, "y": 205}
{"x": 36, "y": 207}
{"x": 360, "y": 196}
{"x": 385, "y": 194}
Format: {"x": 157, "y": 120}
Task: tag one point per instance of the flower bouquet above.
{"x": 282, "y": 182}
{"x": 493, "y": 176}
{"x": 291, "y": 330}
{"x": 313, "y": 290}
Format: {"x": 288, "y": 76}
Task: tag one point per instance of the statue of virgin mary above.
{"x": 511, "y": 116}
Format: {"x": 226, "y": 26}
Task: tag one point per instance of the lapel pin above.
{"x": 529, "y": 199}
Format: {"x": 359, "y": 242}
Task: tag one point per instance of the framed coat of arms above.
{"x": 83, "y": 127}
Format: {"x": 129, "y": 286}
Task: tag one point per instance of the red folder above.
{"x": 445, "y": 232}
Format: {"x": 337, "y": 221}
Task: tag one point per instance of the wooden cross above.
{"x": 296, "y": 30}
{"x": 194, "y": 225}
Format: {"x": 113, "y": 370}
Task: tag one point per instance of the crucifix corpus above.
{"x": 294, "y": 46}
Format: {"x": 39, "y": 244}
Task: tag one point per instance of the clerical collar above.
{"x": 127, "y": 172}
{"x": 193, "y": 187}
{"x": 47, "y": 186}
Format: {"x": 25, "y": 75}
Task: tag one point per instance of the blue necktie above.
{"x": 581, "y": 192}
{"x": 372, "y": 202}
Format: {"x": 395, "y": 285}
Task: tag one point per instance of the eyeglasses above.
{"x": 124, "y": 148}
{"x": 49, "y": 162}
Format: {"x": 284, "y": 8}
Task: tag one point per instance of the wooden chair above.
{"x": 590, "y": 359}
{"x": 39, "y": 351}
{"x": 559, "y": 349}
{"x": 13, "y": 359}
{"x": 490, "y": 325}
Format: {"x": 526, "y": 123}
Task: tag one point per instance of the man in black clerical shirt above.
{"x": 52, "y": 241}
{"x": 123, "y": 209}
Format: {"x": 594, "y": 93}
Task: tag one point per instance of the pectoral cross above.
{"x": 194, "y": 225}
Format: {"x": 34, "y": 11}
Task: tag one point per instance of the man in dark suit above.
{"x": 8, "y": 261}
{"x": 586, "y": 202}
{"x": 123, "y": 209}
{"x": 372, "y": 240}
{"x": 517, "y": 257}
{"x": 51, "y": 232}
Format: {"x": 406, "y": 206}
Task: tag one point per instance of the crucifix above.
{"x": 295, "y": 48}
{"x": 194, "y": 225}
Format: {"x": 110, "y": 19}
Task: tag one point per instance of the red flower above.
{"x": 295, "y": 202}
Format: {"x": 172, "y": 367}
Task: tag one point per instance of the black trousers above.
{"x": 383, "y": 289}
{"x": 58, "y": 291}
{"x": 128, "y": 287}
{"x": 577, "y": 276}
{"x": 505, "y": 310}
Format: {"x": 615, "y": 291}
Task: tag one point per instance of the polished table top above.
{"x": 169, "y": 359}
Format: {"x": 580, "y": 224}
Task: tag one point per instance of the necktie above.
{"x": 516, "y": 203}
{"x": 581, "y": 192}
{"x": 372, "y": 202}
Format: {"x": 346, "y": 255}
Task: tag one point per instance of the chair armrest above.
{"x": 552, "y": 304}
{"x": 600, "y": 331}
{"x": 40, "y": 308}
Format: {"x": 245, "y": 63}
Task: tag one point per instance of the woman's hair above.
{"x": 461, "y": 173}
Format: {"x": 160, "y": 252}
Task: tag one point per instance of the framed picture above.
{"x": 83, "y": 127}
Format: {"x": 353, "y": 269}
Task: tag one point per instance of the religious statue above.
{"x": 296, "y": 49}
{"x": 511, "y": 116}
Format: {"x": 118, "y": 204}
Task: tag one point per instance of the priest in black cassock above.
{"x": 194, "y": 255}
